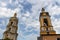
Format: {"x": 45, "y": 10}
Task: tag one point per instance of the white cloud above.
{"x": 4, "y": 12}
{"x": 31, "y": 37}
{"x": 27, "y": 14}
{"x": 3, "y": 4}
{"x": 10, "y": 1}
{"x": 1, "y": 33}
{"x": 1, "y": 30}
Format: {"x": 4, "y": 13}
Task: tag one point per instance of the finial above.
{"x": 15, "y": 14}
{"x": 43, "y": 10}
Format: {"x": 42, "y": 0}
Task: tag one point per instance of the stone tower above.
{"x": 46, "y": 29}
{"x": 45, "y": 23}
{"x": 11, "y": 29}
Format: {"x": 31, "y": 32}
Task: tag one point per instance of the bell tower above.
{"x": 11, "y": 29}
{"x": 45, "y": 23}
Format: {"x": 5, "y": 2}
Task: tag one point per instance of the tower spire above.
{"x": 43, "y": 10}
{"x": 15, "y": 14}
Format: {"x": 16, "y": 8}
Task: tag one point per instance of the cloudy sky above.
{"x": 28, "y": 15}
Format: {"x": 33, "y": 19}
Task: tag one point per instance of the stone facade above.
{"x": 46, "y": 29}
{"x": 51, "y": 37}
{"x": 45, "y": 23}
{"x": 11, "y": 29}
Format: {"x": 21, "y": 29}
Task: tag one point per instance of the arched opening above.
{"x": 45, "y": 22}
{"x": 9, "y": 29}
{"x": 11, "y": 23}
